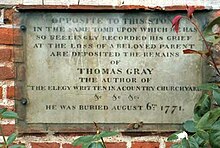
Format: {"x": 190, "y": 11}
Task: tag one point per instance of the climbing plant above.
{"x": 8, "y": 142}
{"x": 94, "y": 141}
{"x": 203, "y": 131}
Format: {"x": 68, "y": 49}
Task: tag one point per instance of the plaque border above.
{"x": 21, "y": 97}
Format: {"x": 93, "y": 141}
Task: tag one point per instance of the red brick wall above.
{"x": 9, "y": 38}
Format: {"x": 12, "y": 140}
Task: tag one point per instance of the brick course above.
{"x": 10, "y": 36}
{"x": 144, "y": 144}
{"x": 169, "y": 144}
{"x": 5, "y": 54}
{"x": 10, "y": 92}
{"x": 7, "y": 73}
{"x": 8, "y": 129}
{"x": 66, "y": 145}
{"x": 45, "y": 145}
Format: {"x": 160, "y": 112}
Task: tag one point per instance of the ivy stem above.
{"x": 207, "y": 46}
{"x": 98, "y": 132}
{"x": 103, "y": 142}
{"x": 1, "y": 131}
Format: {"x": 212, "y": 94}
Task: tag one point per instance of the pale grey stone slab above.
{"x": 102, "y": 67}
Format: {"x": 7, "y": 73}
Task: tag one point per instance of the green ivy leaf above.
{"x": 3, "y": 110}
{"x": 177, "y": 145}
{"x": 208, "y": 33}
{"x": 86, "y": 145}
{"x": 203, "y": 134}
{"x": 108, "y": 134}
{"x": 202, "y": 124}
{"x": 9, "y": 115}
{"x": 193, "y": 143}
{"x": 211, "y": 38}
{"x": 17, "y": 146}
{"x": 96, "y": 137}
{"x": 209, "y": 119}
{"x": 104, "y": 134}
{"x": 185, "y": 143}
{"x": 189, "y": 126}
{"x": 208, "y": 86}
{"x": 216, "y": 96}
{"x": 198, "y": 139}
{"x": 216, "y": 125}
{"x": 173, "y": 136}
{"x": 11, "y": 138}
{"x": 202, "y": 106}
{"x": 89, "y": 140}
{"x": 215, "y": 138}
{"x": 96, "y": 145}
{"x": 83, "y": 140}
{"x": 216, "y": 40}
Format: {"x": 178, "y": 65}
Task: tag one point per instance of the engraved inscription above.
{"x": 110, "y": 68}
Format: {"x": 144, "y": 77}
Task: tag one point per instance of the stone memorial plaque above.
{"x": 112, "y": 68}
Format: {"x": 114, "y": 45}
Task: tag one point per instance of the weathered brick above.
{"x": 45, "y": 145}
{"x": 116, "y": 144}
{"x": 169, "y": 144}
{"x": 10, "y": 36}
{"x": 10, "y": 92}
{"x": 5, "y": 54}
{"x": 0, "y": 92}
{"x": 66, "y": 145}
{"x": 145, "y": 145}
{"x": 7, "y": 73}
{"x": 9, "y": 17}
{"x": 8, "y": 129}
